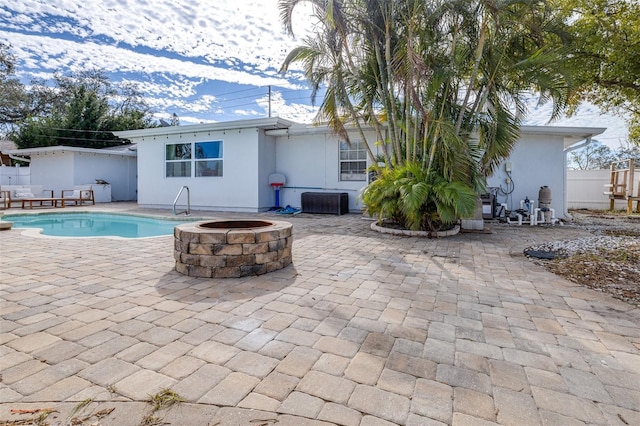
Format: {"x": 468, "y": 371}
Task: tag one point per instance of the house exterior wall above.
{"x": 235, "y": 190}
{"x": 266, "y": 167}
{"x": 62, "y": 170}
{"x": 536, "y": 160}
{"x": 309, "y": 158}
{"x": 311, "y": 163}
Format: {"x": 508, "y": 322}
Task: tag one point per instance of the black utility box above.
{"x": 488, "y": 205}
{"x": 325, "y": 202}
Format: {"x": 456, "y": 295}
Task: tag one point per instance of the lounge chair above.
{"x": 13, "y": 194}
{"x": 5, "y": 199}
{"x": 79, "y": 195}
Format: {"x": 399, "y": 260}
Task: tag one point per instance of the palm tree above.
{"x": 440, "y": 81}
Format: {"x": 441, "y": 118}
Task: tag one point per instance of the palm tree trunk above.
{"x": 474, "y": 73}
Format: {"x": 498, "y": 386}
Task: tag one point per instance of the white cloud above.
{"x": 587, "y": 115}
{"x": 302, "y": 113}
{"x": 176, "y": 51}
{"x": 173, "y": 88}
{"x": 247, "y": 30}
{"x": 52, "y": 54}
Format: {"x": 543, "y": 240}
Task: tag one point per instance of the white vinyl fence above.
{"x": 15, "y": 175}
{"x": 585, "y": 189}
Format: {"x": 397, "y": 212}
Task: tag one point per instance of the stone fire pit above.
{"x": 232, "y": 248}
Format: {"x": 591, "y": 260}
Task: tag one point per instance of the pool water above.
{"x": 94, "y": 224}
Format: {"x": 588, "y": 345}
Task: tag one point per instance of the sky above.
{"x": 203, "y": 60}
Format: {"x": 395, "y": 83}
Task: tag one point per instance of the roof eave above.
{"x": 268, "y": 123}
{"x": 570, "y": 134}
{"x": 62, "y": 148}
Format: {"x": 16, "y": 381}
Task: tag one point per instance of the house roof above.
{"x": 276, "y": 126}
{"x": 124, "y": 150}
{"x": 571, "y": 135}
{"x": 270, "y": 123}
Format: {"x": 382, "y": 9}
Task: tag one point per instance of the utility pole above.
{"x": 269, "y": 101}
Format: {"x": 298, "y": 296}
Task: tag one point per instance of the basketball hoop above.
{"x": 277, "y": 181}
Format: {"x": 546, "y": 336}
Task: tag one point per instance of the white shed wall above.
{"x": 53, "y": 170}
{"x": 120, "y": 171}
{"x": 62, "y": 170}
{"x": 15, "y": 175}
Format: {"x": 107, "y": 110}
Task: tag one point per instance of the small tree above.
{"x": 597, "y": 156}
{"x": 629, "y": 152}
{"x": 605, "y": 45}
{"x": 83, "y": 110}
{"x": 594, "y": 156}
{"x": 16, "y": 102}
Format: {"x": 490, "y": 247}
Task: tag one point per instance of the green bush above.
{"x": 418, "y": 200}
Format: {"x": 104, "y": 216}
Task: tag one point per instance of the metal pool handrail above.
{"x": 188, "y": 211}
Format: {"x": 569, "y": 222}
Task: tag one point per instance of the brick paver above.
{"x": 362, "y": 329}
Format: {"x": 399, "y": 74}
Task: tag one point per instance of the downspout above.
{"x": 566, "y": 152}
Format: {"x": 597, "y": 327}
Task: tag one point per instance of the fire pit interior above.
{"x": 235, "y": 224}
{"x": 232, "y": 248}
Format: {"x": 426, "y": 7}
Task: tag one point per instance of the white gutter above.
{"x": 15, "y": 157}
{"x": 566, "y": 152}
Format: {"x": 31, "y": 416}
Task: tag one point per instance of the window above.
{"x": 209, "y": 158}
{"x": 353, "y": 161}
{"x": 201, "y": 158}
{"x": 178, "y": 160}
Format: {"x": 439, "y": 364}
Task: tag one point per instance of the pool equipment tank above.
{"x": 544, "y": 203}
{"x": 529, "y": 213}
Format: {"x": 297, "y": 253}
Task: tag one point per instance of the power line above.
{"x": 77, "y": 130}
{"x": 86, "y": 139}
{"x": 237, "y": 91}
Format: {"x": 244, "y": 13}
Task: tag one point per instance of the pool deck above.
{"x": 362, "y": 329}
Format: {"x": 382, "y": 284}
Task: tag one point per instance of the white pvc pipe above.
{"x": 537, "y": 212}
{"x": 536, "y": 215}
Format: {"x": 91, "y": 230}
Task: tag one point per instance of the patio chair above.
{"x": 79, "y": 195}
{"x": 5, "y": 199}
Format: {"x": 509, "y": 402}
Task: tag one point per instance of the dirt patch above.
{"x": 608, "y": 262}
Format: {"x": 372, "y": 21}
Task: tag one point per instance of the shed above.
{"x": 62, "y": 167}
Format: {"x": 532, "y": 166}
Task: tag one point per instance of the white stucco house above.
{"x": 62, "y": 168}
{"x": 227, "y": 165}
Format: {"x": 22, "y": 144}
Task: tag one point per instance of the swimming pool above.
{"x": 93, "y": 224}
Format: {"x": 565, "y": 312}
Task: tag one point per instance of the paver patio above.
{"x": 362, "y": 329}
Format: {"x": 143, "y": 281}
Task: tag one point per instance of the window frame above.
{"x": 195, "y": 161}
{"x": 357, "y": 150}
